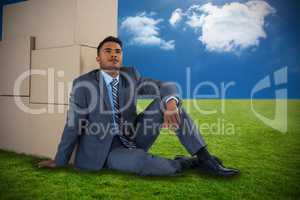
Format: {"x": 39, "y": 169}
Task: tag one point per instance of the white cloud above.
{"x": 143, "y": 29}
{"x": 231, "y": 27}
{"x": 176, "y": 17}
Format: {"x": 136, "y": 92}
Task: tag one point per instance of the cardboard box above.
{"x": 57, "y": 23}
{"x": 95, "y": 21}
{"x": 59, "y": 66}
{"x": 35, "y": 129}
{"x": 88, "y": 59}
{"x": 14, "y": 123}
{"x": 14, "y": 61}
{"x": 46, "y": 129}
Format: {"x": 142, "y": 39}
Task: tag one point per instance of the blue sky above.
{"x": 215, "y": 40}
{"x": 248, "y": 49}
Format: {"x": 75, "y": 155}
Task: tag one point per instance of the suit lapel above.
{"x": 122, "y": 86}
{"x": 104, "y": 97}
{"x": 123, "y": 91}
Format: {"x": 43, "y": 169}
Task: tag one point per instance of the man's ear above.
{"x": 98, "y": 59}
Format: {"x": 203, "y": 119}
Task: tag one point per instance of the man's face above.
{"x": 110, "y": 56}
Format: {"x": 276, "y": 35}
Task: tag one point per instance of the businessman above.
{"x": 103, "y": 122}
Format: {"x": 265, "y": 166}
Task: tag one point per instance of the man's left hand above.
{"x": 171, "y": 115}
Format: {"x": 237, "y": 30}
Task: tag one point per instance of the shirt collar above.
{"x": 107, "y": 78}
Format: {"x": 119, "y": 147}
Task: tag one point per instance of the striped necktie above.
{"x": 115, "y": 93}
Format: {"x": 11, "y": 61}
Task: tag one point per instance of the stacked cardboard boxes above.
{"x": 46, "y": 44}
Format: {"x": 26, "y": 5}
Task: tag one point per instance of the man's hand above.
{"x": 171, "y": 115}
{"x": 47, "y": 164}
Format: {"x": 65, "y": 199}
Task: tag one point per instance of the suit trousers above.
{"x": 146, "y": 130}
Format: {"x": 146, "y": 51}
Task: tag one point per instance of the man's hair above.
{"x": 109, "y": 39}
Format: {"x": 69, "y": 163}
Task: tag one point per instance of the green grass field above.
{"x": 269, "y": 162}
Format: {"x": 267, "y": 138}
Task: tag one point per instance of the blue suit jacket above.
{"x": 89, "y": 121}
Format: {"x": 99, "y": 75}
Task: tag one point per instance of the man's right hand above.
{"x": 47, "y": 164}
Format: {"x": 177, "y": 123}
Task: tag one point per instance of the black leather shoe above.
{"x": 214, "y": 166}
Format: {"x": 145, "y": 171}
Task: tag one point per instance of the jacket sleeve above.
{"x": 71, "y": 133}
{"x": 151, "y": 87}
